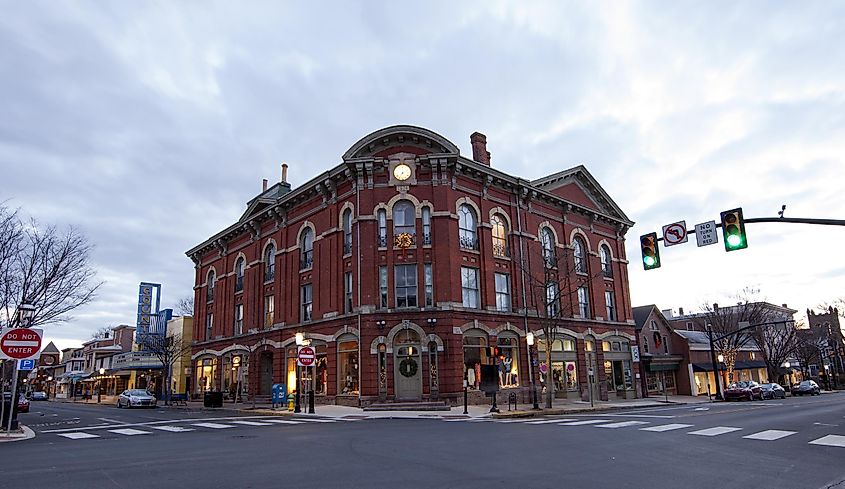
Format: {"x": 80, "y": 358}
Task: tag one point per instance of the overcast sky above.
{"x": 149, "y": 125}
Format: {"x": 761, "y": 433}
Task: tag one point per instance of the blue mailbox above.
{"x": 279, "y": 394}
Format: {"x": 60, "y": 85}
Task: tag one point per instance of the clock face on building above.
{"x": 402, "y": 172}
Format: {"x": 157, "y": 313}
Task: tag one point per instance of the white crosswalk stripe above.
{"x": 584, "y": 422}
{"x": 666, "y": 427}
{"x": 830, "y": 441}
{"x": 173, "y": 429}
{"x": 770, "y": 435}
{"x": 282, "y": 421}
{"x": 317, "y": 420}
{"x": 718, "y": 430}
{"x": 79, "y": 435}
{"x": 216, "y": 426}
{"x": 130, "y": 432}
{"x": 547, "y": 421}
{"x": 250, "y": 423}
{"x": 621, "y": 424}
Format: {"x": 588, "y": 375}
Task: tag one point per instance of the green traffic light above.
{"x": 734, "y": 240}
{"x": 649, "y": 261}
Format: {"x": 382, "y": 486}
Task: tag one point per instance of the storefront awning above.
{"x": 708, "y": 367}
{"x": 663, "y": 363}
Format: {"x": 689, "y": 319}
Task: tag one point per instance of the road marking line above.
{"x": 130, "y": 432}
{"x": 770, "y": 435}
{"x": 546, "y": 421}
{"x": 830, "y": 441}
{"x": 718, "y": 430}
{"x": 250, "y": 423}
{"x": 583, "y": 422}
{"x": 109, "y": 420}
{"x": 78, "y": 435}
{"x": 315, "y": 420}
{"x": 666, "y": 427}
{"x": 173, "y": 429}
{"x": 281, "y": 421}
{"x": 621, "y": 424}
{"x": 216, "y": 426}
{"x": 665, "y": 416}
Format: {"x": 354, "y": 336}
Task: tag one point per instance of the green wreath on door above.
{"x": 408, "y": 367}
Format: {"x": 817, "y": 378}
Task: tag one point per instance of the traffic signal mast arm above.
{"x": 793, "y": 220}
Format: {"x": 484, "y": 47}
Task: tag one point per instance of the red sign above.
{"x": 20, "y": 343}
{"x": 306, "y": 356}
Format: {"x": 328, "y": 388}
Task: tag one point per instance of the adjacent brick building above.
{"x": 403, "y": 266}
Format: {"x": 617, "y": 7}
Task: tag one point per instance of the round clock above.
{"x": 402, "y": 172}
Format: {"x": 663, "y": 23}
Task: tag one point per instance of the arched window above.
{"x": 500, "y": 233}
{"x": 347, "y": 362}
{"x": 580, "y": 255}
{"x": 209, "y": 290}
{"x": 508, "y": 361}
{"x": 306, "y": 249}
{"x": 475, "y": 355}
{"x": 239, "y": 275}
{"x": 347, "y": 231}
{"x": 645, "y": 344}
{"x": 404, "y": 219}
{"x": 382, "y": 228}
{"x": 426, "y": 225}
{"x": 606, "y": 270}
{"x": 467, "y": 223}
{"x": 269, "y": 263}
{"x": 547, "y": 241}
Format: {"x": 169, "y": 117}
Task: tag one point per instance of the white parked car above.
{"x": 136, "y": 398}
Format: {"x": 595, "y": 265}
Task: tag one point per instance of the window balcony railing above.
{"x": 347, "y": 246}
{"x": 306, "y": 262}
{"x": 382, "y": 241}
{"x": 501, "y": 250}
{"x": 468, "y": 242}
{"x": 426, "y": 238}
{"x": 269, "y": 274}
{"x": 239, "y": 284}
{"x": 607, "y": 272}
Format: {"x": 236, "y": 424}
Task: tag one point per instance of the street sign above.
{"x": 305, "y": 356}
{"x": 705, "y": 233}
{"x": 675, "y": 233}
{"x": 20, "y": 343}
{"x": 26, "y": 364}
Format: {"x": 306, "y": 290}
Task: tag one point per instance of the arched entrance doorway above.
{"x": 265, "y": 375}
{"x": 407, "y": 374}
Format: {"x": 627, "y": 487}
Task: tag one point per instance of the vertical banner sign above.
{"x": 149, "y": 297}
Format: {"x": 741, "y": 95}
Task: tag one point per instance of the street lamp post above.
{"x": 49, "y": 386}
{"x": 297, "y": 408}
{"x": 529, "y": 338}
{"x": 100, "y": 385}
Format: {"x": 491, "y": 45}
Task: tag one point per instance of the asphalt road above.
{"x": 790, "y": 444}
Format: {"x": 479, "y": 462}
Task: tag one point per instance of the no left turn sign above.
{"x": 675, "y": 233}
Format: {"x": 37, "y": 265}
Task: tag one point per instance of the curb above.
{"x": 26, "y": 435}
{"x": 559, "y": 411}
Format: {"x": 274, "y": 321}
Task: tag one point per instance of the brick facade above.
{"x": 570, "y": 203}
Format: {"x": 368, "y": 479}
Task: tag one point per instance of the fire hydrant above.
{"x": 290, "y": 402}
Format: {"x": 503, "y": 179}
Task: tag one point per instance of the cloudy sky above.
{"x": 149, "y": 125}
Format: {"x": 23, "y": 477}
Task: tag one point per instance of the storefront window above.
{"x": 475, "y": 355}
{"x": 347, "y": 363}
{"x": 206, "y": 372}
{"x": 508, "y": 361}
{"x": 321, "y": 374}
{"x": 312, "y": 378}
{"x": 291, "y": 369}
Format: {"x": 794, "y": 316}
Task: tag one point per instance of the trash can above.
{"x": 213, "y": 399}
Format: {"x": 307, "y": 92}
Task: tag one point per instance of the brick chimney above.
{"x": 284, "y": 172}
{"x": 479, "y": 148}
{"x": 680, "y": 311}
{"x": 264, "y": 185}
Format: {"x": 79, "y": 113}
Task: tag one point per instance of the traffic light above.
{"x": 733, "y": 230}
{"x": 651, "y": 253}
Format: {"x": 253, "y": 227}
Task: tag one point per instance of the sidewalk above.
{"x": 23, "y": 433}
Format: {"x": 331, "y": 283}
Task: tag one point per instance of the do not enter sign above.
{"x": 20, "y": 343}
{"x": 306, "y": 356}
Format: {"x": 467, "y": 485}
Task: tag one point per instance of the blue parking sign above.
{"x": 26, "y": 364}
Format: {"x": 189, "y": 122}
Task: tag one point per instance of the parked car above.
{"x": 39, "y": 396}
{"x": 773, "y": 391}
{"x": 136, "y": 398}
{"x": 745, "y": 389}
{"x": 806, "y": 387}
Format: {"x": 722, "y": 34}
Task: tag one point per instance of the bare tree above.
{"x": 45, "y": 267}
{"x": 552, "y": 276}
{"x": 777, "y": 343}
{"x": 101, "y": 333}
{"x": 724, "y": 322}
{"x": 185, "y": 306}
{"x": 810, "y": 343}
{"x": 168, "y": 349}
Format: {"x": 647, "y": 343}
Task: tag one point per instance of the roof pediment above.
{"x": 585, "y": 184}
{"x": 410, "y": 139}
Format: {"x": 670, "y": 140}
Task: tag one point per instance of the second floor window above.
{"x": 503, "y": 292}
{"x": 645, "y": 344}
{"x": 467, "y": 224}
{"x": 611, "y": 307}
{"x": 209, "y": 325}
{"x": 469, "y": 288}
{"x": 347, "y": 231}
{"x": 306, "y": 249}
{"x": 239, "y": 319}
{"x": 306, "y": 301}
{"x": 269, "y": 310}
{"x": 405, "y": 282}
{"x": 347, "y": 291}
{"x": 429, "y": 285}
{"x": 270, "y": 263}
{"x": 382, "y": 228}
{"x": 209, "y": 290}
{"x": 583, "y": 302}
{"x": 500, "y": 233}
{"x": 552, "y": 300}
{"x": 426, "y": 225}
{"x": 382, "y": 286}
{"x": 239, "y": 274}
{"x": 606, "y": 269}
{"x": 547, "y": 242}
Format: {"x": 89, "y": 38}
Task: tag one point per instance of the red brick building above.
{"x": 402, "y": 266}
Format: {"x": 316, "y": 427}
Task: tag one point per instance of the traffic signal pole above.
{"x": 791, "y": 220}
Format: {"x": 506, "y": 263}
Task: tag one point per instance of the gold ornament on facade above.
{"x": 403, "y": 240}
